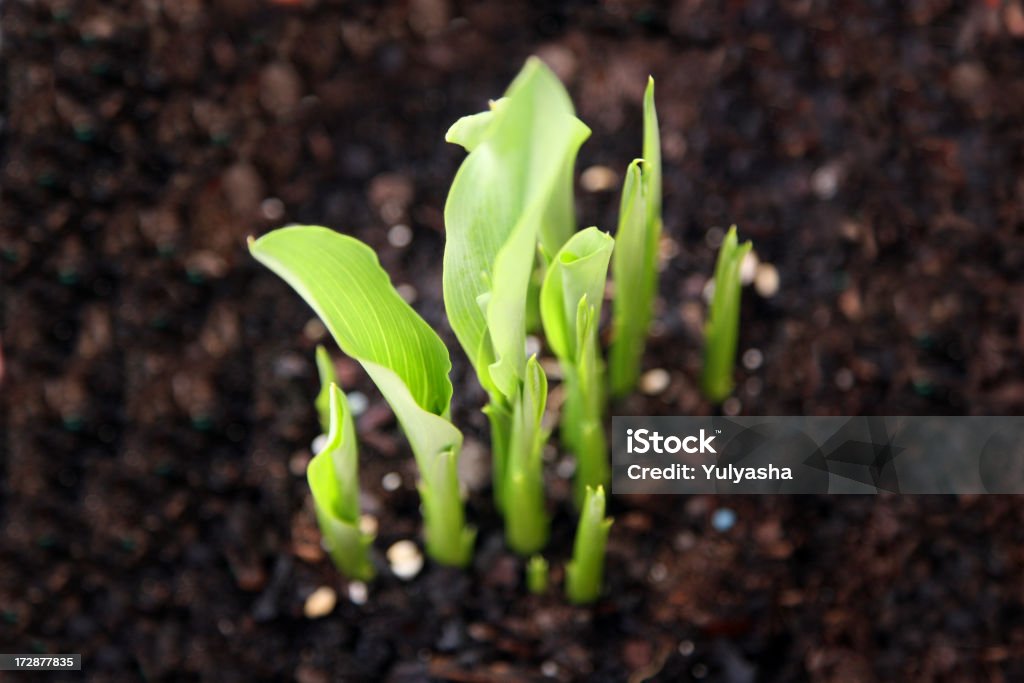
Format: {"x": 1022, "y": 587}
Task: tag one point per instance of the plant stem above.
{"x": 585, "y": 572}
{"x": 526, "y": 519}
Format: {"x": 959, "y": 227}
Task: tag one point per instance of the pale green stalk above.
{"x": 585, "y": 573}
{"x": 571, "y": 310}
{"x": 333, "y": 476}
{"x": 325, "y": 370}
{"x": 526, "y": 521}
{"x": 721, "y": 333}
{"x": 537, "y": 575}
{"x": 635, "y": 264}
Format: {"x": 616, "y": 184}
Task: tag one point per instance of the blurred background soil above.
{"x": 157, "y": 384}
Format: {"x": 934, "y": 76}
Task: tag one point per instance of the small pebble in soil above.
{"x": 668, "y": 249}
{"x": 658, "y": 573}
{"x": 552, "y": 368}
{"x": 474, "y": 465}
{"x": 272, "y": 209}
{"x": 320, "y": 602}
{"x": 825, "y": 181}
{"x": 314, "y": 330}
{"x": 226, "y": 627}
{"x": 532, "y": 345}
{"x": 453, "y": 635}
{"x": 699, "y": 670}
{"x": 358, "y": 403}
{"x": 708, "y": 291}
{"x": 358, "y": 593}
{"x": 549, "y": 669}
{"x": 368, "y": 524}
{"x": 732, "y": 406}
{"x": 299, "y": 461}
{"x": 686, "y": 648}
{"x": 713, "y": 237}
{"x": 405, "y": 559}
{"x": 599, "y": 179}
{"x": 684, "y": 541}
{"x": 844, "y": 379}
{"x": 748, "y": 268}
{"x": 766, "y": 281}
{"x": 407, "y": 292}
{"x": 400, "y": 235}
{"x": 723, "y": 519}
{"x": 318, "y": 443}
{"x": 481, "y": 632}
{"x": 655, "y": 381}
{"x": 752, "y": 359}
{"x": 391, "y": 481}
{"x": 566, "y": 467}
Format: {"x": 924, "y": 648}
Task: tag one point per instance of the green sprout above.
{"x": 635, "y": 264}
{"x": 537, "y": 575}
{"x": 571, "y": 310}
{"x": 509, "y": 195}
{"x": 333, "y": 476}
{"x": 325, "y": 370}
{"x": 722, "y": 330}
{"x": 342, "y": 280}
{"x": 584, "y": 575}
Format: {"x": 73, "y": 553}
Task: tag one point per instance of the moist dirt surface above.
{"x": 157, "y": 383}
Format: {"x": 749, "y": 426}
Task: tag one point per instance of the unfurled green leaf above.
{"x": 571, "y": 310}
{"x": 578, "y": 272}
{"x": 722, "y": 331}
{"x": 585, "y": 573}
{"x": 507, "y": 195}
{"x": 325, "y": 370}
{"x": 470, "y": 130}
{"x": 333, "y": 476}
{"x": 635, "y": 265}
{"x": 341, "y": 279}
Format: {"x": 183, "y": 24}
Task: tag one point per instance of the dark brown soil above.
{"x": 157, "y": 383}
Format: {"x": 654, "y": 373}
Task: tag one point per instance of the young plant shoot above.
{"x": 635, "y": 264}
{"x": 342, "y": 280}
{"x": 537, "y": 575}
{"x": 571, "y": 311}
{"x": 508, "y": 195}
{"x": 333, "y": 476}
{"x": 585, "y": 573}
{"x": 722, "y": 330}
{"x": 325, "y": 370}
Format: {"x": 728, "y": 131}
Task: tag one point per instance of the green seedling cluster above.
{"x": 512, "y": 255}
